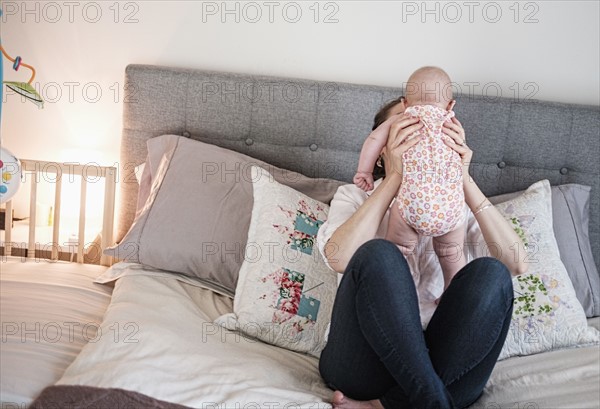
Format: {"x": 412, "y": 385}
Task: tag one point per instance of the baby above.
{"x": 430, "y": 201}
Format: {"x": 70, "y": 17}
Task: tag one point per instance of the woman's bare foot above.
{"x": 342, "y": 402}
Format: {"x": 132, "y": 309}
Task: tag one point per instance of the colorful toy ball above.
{"x": 10, "y": 176}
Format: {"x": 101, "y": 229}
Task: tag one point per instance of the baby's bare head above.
{"x": 429, "y": 86}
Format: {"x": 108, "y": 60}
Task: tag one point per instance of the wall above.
{"x": 547, "y": 50}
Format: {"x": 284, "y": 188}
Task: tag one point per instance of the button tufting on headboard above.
{"x": 534, "y": 137}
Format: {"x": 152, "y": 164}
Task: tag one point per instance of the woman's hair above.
{"x": 380, "y": 117}
{"x": 384, "y": 112}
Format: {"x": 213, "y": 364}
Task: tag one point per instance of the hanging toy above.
{"x": 10, "y": 167}
{"x": 23, "y": 88}
{"x": 10, "y": 175}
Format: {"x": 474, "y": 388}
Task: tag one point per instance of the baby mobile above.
{"x": 10, "y": 166}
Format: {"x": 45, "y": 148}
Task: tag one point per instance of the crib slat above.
{"x": 81, "y": 233}
{"x": 32, "y": 213}
{"x": 56, "y": 223}
{"x": 109, "y": 212}
{"x": 8, "y": 220}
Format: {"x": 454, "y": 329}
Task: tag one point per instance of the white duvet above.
{"x": 174, "y": 352}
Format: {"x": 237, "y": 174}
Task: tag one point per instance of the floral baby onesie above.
{"x": 431, "y": 197}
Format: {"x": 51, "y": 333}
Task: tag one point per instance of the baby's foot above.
{"x": 343, "y": 402}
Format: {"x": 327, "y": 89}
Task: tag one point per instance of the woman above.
{"x": 378, "y": 354}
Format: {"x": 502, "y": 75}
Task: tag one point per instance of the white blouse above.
{"x": 423, "y": 263}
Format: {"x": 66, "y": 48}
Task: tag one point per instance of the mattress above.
{"x": 49, "y": 311}
{"x": 156, "y": 336}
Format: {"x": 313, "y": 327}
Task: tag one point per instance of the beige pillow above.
{"x": 196, "y": 218}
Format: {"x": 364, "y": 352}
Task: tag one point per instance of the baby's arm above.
{"x": 369, "y": 153}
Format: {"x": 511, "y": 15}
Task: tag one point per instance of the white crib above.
{"x": 78, "y": 250}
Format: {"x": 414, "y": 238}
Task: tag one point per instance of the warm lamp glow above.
{"x": 86, "y": 156}
{"x": 69, "y": 214}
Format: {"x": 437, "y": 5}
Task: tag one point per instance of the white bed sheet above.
{"x": 49, "y": 311}
{"x": 178, "y": 355}
{"x": 567, "y": 378}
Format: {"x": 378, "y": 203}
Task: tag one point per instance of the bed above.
{"x": 174, "y": 330}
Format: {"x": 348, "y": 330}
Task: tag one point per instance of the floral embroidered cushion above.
{"x": 546, "y": 314}
{"x": 285, "y": 292}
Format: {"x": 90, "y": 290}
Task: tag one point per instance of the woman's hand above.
{"x": 401, "y": 138}
{"x": 456, "y": 139}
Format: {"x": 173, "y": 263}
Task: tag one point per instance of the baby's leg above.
{"x": 400, "y": 233}
{"x": 449, "y": 249}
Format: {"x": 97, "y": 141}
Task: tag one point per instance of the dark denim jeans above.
{"x": 377, "y": 348}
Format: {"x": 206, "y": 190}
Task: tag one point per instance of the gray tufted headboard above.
{"x": 317, "y": 128}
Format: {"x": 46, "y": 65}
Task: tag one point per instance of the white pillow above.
{"x": 546, "y": 312}
{"x": 285, "y": 292}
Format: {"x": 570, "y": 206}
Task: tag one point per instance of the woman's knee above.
{"x": 379, "y": 253}
{"x": 378, "y": 246}
{"x": 489, "y": 275}
{"x": 376, "y": 249}
{"x": 493, "y": 270}
{"x": 381, "y": 258}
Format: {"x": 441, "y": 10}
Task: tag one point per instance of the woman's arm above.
{"x": 499, "y": 236}
{"x": 364, "y": 223}
{"x": 497, "y": 233}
